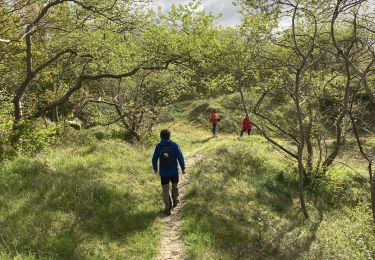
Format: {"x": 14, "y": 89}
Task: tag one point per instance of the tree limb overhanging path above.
{"x": 172, "y": 246}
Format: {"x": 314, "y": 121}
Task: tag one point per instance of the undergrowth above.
{"x": 98, "y": 201}
{"x": 243, "y": 203}
{"x": 92, "y": 195}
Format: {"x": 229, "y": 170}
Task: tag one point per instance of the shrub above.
{"x": 28, "y": 137}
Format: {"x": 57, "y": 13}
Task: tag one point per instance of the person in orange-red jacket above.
{"x": 246, "y": 125}
{"x": 214, "y": 120}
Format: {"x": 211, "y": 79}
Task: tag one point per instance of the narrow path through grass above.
{"x": 172, "y": 246}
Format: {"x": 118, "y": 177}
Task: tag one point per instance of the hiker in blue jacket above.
{"x": 168, "y": 154}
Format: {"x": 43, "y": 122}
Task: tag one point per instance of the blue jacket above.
{"x": 179, "y": 157}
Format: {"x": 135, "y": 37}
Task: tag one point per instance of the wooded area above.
{"x": 304, "y": 72}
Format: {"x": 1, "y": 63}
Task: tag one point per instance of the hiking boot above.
{"x": 167, "y": 212}
{"x": 175, "y": 203}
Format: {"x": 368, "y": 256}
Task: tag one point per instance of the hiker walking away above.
{"x": 214, "y": 120}
{"x": 168, "y": 153}
{"x": 246, "y": 125}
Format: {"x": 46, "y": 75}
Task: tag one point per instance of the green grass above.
{"x": 242, "y": 204}
{"x": 91, "y": 197}
{"x": 98, "y": 201}
{"x": 197, "y": 113}
{"x": 94, "y": 197}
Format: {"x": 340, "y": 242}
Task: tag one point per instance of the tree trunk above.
{"x": 372, "y": 185}
{"x": 301, "y": 145}
{"x": 301, "y": 190}
{"x": 339, "y": 138}
{"x": 368, "y": 159}
{"x": 17, "y": 112}
{"x": 310, "y": 151}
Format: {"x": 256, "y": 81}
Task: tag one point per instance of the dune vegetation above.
{"x": 86, "y": 86}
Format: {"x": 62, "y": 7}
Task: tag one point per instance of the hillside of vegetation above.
{"x": 95, "y": 197}
{"x": 91, "y": 200}
{"x": 242, "y": 202}
{"x": 87, "y": 85}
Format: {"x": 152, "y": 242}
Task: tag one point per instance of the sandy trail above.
{"x": 172, "y": 245}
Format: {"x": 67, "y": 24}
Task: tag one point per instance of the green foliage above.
{"x": 150, "y": 139}
{"x": 198, "y": 113}
{"x": 243, "y": 203}
{"x": 80, "y": 202}
{"x": 95, "y": 197}
{"x": 5, "y": 128}
{"x": 29, "y": 137}
{"x": 336, "y": 188}
{"x": 243, "y": 200}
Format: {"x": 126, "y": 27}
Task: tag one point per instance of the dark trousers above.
{"x": 244, "y": 130}
{"x": 165, "y": 187}
{"x": 214, "y": 129}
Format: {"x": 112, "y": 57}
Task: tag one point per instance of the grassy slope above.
{"x": 93, "y": 201}
{"x": 98, "y": 200}
{"x": 243, "y": 202}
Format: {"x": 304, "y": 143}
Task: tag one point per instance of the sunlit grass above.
{"x": 97, "y": 201}
{"x": 243, "y": 204}
{"x": 94, "y": 197}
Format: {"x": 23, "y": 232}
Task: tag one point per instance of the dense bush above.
{"x": 28, "y": 138}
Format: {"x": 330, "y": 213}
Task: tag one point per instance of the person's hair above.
{"x": 214, "y": 109}
{"x": 165, "y": 134}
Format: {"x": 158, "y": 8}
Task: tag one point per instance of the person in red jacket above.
{"x": 214, "y": 120}
{"x": 246, "y": 125}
